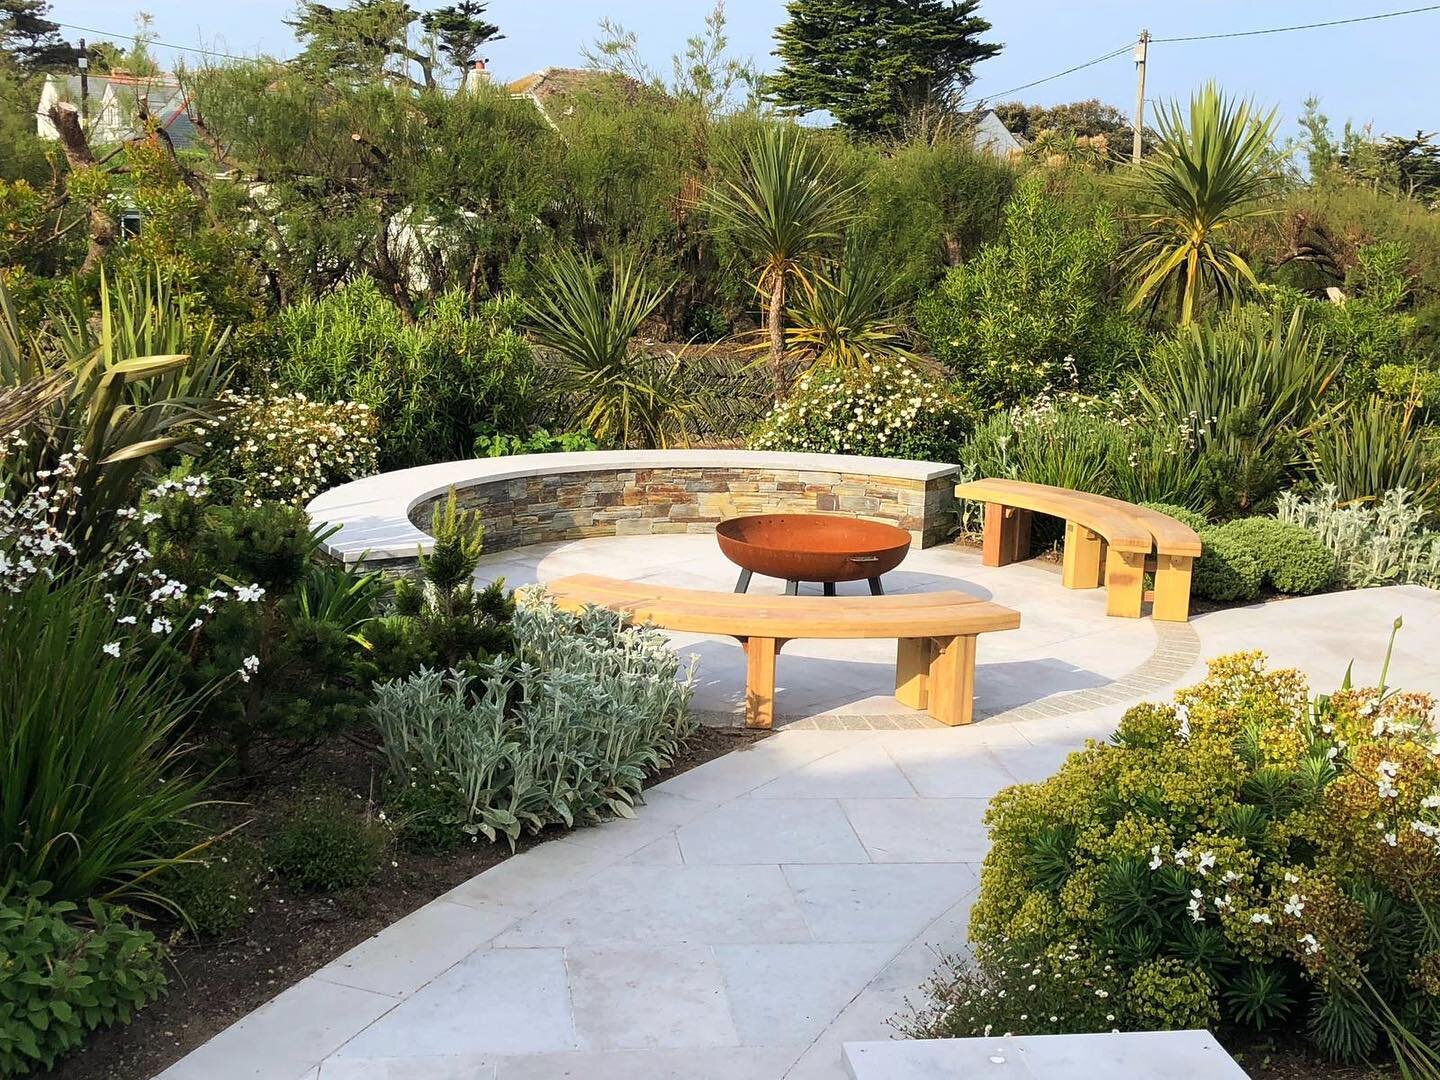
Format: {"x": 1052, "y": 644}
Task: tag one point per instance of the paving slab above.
{"x": 287, "y": 1037}
{"x": 772, "y": 831}
{"x": 408, "y": 954}
{"x": 495, "y": 1002}
{"x": 639, "y": 997}
{"x": 1154, "y": 1055}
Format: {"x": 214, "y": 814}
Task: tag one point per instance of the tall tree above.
{"x": 784, "y": 206}
{"x": 29, "y": 40}
{"x": 366, "y": 40}
{"x": 461, "y": 30}
{"x": 876, "y": 63}
{"x": 1214, "y": 166}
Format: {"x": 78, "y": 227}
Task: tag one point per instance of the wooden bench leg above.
{"x": 1084, "y": 556}
{"x": 760, "y": 681}
{"x": 1124, "y": 583}
{"x": 1007, "y": 535}
{"x": 912, "y": 671}
{"x": 1172, "y": 588}
{"x": 952, "y": 681}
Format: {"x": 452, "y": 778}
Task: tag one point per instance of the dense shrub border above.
{"x": 1248, "y": 856}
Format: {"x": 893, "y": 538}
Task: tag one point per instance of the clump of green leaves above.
{"x": 288, "y": 626}
{"x": 431, "y": 382}
{"x": 1245, "y": 856}
{"x": 1033, "y": 311}
{"x": 327, "y": 842}
{"x": 66, "y": 974}
{"x": 1240, "y": 391}
{"x": 441, "y": 620}
{"x": 1383, "y": 542}
{"x": 215, "y": 889}
{"x": 565, "y": 732}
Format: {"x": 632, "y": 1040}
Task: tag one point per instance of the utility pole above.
{"x": 84, "y": 61}
{"x": 1142, "y": 53}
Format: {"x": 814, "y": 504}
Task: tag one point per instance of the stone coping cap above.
{"x": 373, "y": 513}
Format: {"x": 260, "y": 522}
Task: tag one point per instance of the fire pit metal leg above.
{"x": 876, "y": 589}
{"x": 743, "y": 585}
{"x": 829, "y": 588}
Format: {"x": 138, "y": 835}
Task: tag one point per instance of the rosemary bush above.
{"x": 564, "y": 732}
{"x": 1379, "y": 543}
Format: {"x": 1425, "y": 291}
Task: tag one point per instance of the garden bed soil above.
{"x": 289, "y": 936}
{"x": 1297, "y": 1061}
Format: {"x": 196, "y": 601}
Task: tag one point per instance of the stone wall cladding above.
{"x": 632, "y": 502}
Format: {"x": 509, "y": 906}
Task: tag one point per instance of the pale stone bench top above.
{"x": 1125, "y": 1055}
{"x": 373, "y": 514}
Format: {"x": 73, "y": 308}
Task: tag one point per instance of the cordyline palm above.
{"x": 1205, "y": 175}
{"x": 624, "y": 398}
{"x": 843, "y": 318}
{"x": 785, "y": 206}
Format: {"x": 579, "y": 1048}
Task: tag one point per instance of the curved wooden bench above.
{"x": 1102, "y": 535}
{"x": 935, "y": 659}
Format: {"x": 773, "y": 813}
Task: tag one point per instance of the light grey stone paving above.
{"x": 770, "y": 906}
{"x": 1155, "y": 1055}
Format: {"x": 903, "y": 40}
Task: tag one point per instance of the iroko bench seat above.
{"x": 1105, "y": 539}
{"x": 935, "y": 659}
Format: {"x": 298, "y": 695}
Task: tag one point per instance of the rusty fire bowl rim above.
{"x": 870, "y": 549}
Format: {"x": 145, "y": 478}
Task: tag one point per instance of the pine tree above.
{"x": 875, "y": 63}
{"x": 461, "y": 31}
{"x": 29, "y": 40}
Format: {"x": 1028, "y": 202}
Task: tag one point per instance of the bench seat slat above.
{"x": 1121, "y": 530}
{"x": 833, "y": 617}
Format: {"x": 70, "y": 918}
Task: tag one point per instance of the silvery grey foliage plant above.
{"x": 1379, "y": 543}
{"x": 565, "y": 731}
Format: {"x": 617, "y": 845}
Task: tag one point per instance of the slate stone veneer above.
{"x": 639, "y": 501}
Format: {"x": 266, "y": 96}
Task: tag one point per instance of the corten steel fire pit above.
{"x": 812, "y": 547}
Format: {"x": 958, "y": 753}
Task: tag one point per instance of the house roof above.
{"x": 993, "y": 137}
{"x": 162, "y": 95}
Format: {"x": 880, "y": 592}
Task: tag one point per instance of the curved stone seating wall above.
{"x": 541, "y": 498}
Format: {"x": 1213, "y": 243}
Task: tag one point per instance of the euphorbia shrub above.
{"x": 1246, "y": 857}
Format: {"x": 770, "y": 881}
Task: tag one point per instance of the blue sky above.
{"x": 1381, "y": 71}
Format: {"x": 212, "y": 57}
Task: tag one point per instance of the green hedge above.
{"x": 1243, "y": 556}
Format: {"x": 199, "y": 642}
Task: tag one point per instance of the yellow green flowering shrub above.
{"x": 1246, "y": 857}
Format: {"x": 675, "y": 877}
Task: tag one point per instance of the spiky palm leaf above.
{"x": 784, "y": 206}
{"x": 1211, "y": 169}
{"x": 22, "y": 404}
{"x": 134, "y": 379}
{"x": 843, "y": 317}
{"x": 625, "y": 397}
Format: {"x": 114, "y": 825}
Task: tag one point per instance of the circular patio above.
{"x": 1066, "y": 657}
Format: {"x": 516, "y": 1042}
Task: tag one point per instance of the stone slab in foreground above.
{"x": 1131, "y": 1055}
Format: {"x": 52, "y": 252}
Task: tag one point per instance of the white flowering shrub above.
{"x": 1384, "y": 542}
{"x": 1247, "y": 856}
{"x": 290, "y": 449}
{"x": 893, "y": 410}
{"x": 562, "y": 733}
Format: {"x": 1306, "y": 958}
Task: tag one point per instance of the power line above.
{"x": 155, "y": 41}
{"x": 1302, "y": 26}
{"x": 1068, "y": 71}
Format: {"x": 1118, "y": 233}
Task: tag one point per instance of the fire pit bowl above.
{"x": 812, "y": 547}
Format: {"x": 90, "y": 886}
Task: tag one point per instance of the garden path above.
{"x": 772, "y": 904}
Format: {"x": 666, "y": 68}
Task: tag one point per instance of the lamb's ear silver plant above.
{"x": 1384, "y": 542}
{"x": 563, "y": 732}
